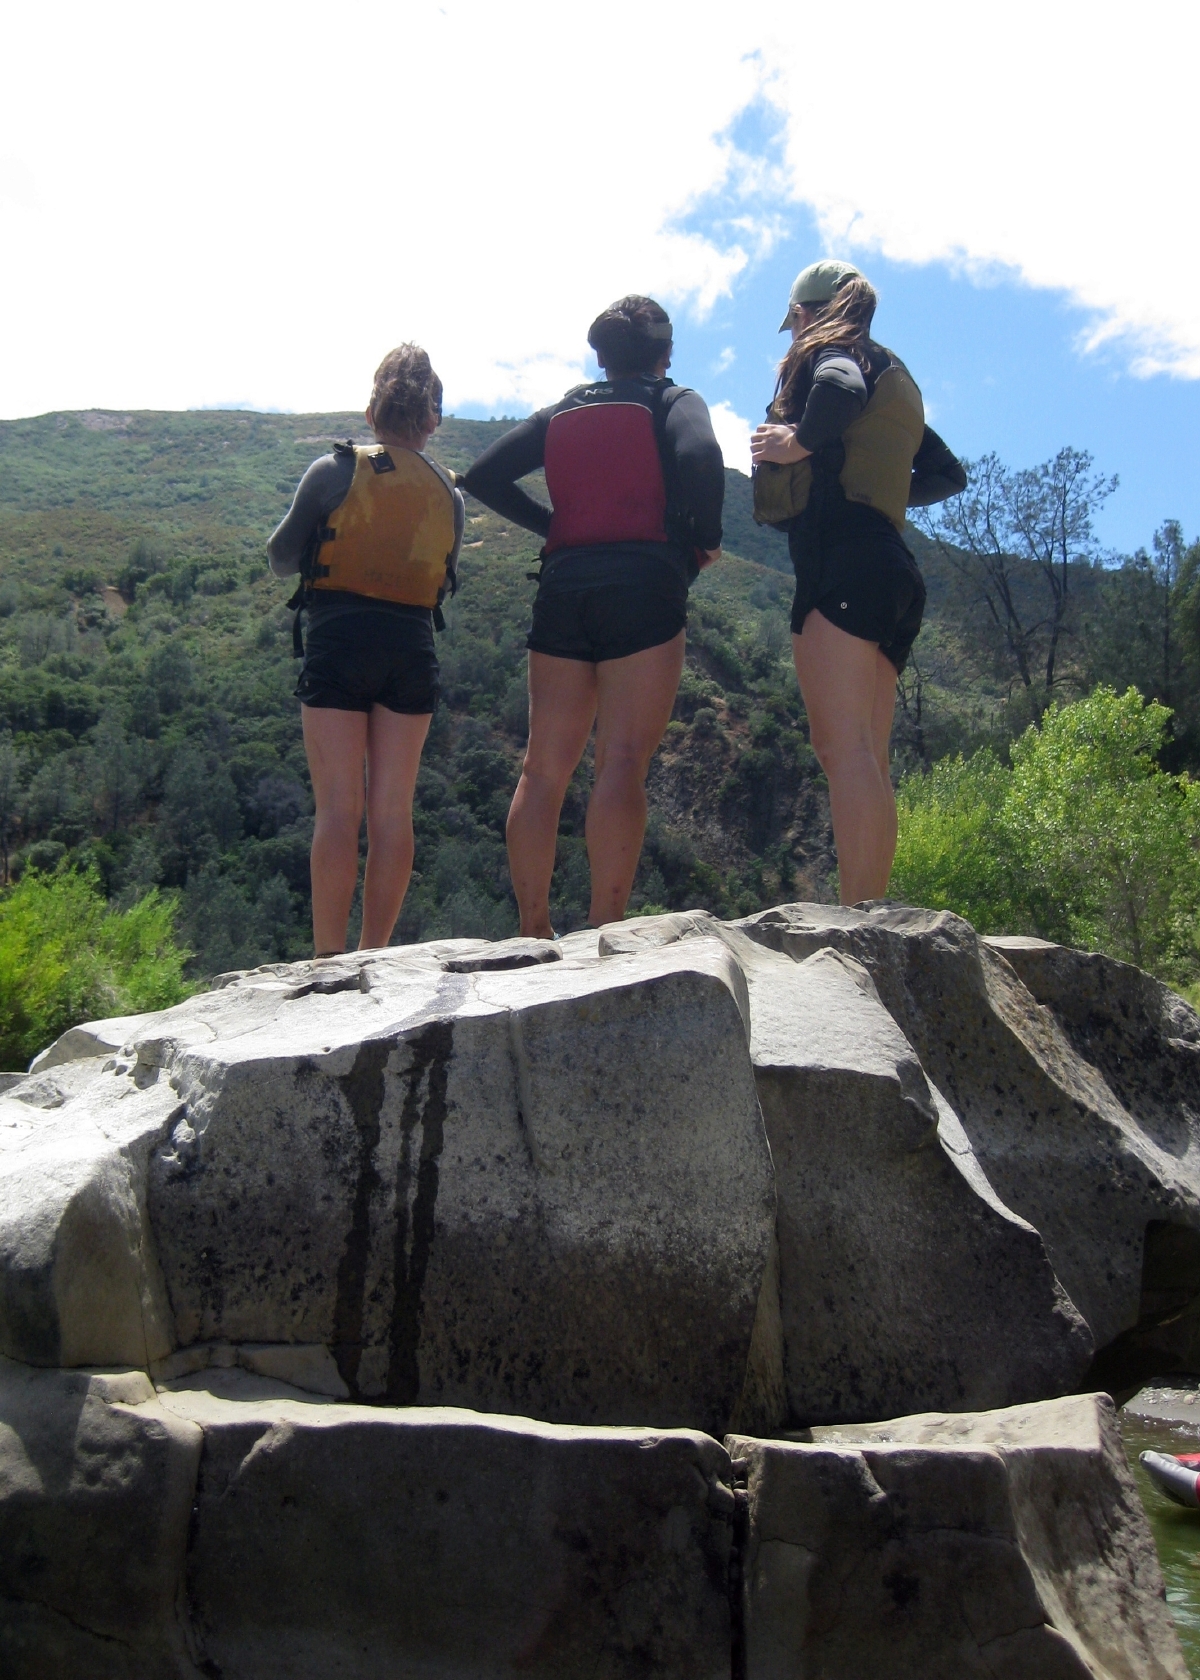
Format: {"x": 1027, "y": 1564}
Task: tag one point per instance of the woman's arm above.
{"x": 323, "y": 488}
{"x": 937, "y": 474}
{"x": 492, "y": 479}
{"x": 699, "y": 469}
{"x": 837, "y": 396}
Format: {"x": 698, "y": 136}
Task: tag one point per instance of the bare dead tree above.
{"x": 972, "y": 532}
{"x": 1015, "y": 538}
{"x": 1051, "y": 509}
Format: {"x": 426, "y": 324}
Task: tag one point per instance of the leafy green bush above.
{"x": 951, "y": 853}
{"x": 66, "y": 957}
{"x": 1085, "y": 839}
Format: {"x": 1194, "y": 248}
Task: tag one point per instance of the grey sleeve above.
{"x": 323, "y": 488}
{"x": 838, "y": 396}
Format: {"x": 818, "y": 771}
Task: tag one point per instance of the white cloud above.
{"x": 733, "y": 434}
{"x": 725, "y": 360}
{"x": 1053, "y": 141}
{"x": 264, "y": 197}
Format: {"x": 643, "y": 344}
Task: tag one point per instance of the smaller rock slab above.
{"x": 332, "y": 1540}
{"x": 96, "y": 1485}
{"x": 1167, "y": 1402}
{"x": 1006, "y": 1545}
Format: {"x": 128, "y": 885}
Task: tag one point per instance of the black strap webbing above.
{"x": 297, "y": 605}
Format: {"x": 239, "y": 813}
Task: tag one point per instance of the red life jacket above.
{"x": 604, "y": 474}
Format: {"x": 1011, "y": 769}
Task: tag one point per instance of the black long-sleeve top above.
{"x": 838, "y": 391}
{"x": 694, "y": 468}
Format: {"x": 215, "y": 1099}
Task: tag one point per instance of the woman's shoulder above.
{"x": 337, "y": 465}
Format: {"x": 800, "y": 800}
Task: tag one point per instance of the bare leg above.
{"x": 336, "y": 744}
{"x": 562, "y": 708}
{"x": 882, "y": 715}
{"x": 634, "y": 700}
{"x": 394, "y": 744}
{"x": 840, "y": 677}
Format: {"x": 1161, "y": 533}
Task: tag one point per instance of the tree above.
{"x": 11, "y": 764}
{"x": 200, "y": 812}
{"x": 1108, "y": 842}
{"x": 952, "y": 853}
{"x": 1016, "y": 540}
{"x": 1085, "y": 839}
{"x": 118, "y": 772}
{"x": 1167, "y": 568}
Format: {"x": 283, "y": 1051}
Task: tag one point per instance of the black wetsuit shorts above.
{"x": 376, "y": 653}
{"x": 856, "y": 571}
{"x": 595, "y": 604}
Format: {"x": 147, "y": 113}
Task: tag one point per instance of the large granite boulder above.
{"x": 536, "y": 1178}
{"x": 904, "y": 1280}
{"x": 543, "y": 1189}
{"x": 339, "y": 1230}
{"x": 1090, "y": 1152}
{"x": 1008, "y": 1545}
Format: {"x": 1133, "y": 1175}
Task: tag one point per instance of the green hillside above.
{"x": 147, "y": 725}
{"x": 146, "y": 673}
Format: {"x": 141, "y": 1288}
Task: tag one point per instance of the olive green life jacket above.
{"x": 879, "y": 446}
{"x": 392, "y": 537}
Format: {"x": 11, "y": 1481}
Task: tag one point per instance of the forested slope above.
{"x": 147, "y": 724}
{"x": 146, "y": 679}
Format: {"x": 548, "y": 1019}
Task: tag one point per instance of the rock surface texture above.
{"x": 1001, "y": 1545}
{"x": 286, "y": 1271}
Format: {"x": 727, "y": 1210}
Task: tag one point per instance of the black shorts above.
{"x": 595, "y": 604}
{"x": 860, "y": 576}
{"x": 373, "y": 655}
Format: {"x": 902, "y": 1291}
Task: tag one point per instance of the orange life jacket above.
{"x": 392, "y": 538}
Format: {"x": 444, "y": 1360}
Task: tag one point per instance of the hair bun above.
{"x": 631, "y": 335}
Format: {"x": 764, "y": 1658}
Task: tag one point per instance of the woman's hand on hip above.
{"x": 777, "y": 443}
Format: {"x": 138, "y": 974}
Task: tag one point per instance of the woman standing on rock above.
{"x": 636, "y": 483}
{"x": 845, "y": 451}
{"x": 375, "y": 535}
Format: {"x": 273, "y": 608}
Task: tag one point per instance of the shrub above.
{"x": 66, "y": 957}
{"x": 1085, "y": 840}
{"x": 951, "y": 853}
{"x": 704, "y": 723}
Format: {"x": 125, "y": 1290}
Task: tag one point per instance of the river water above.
{"x": 1176, "y": 1529}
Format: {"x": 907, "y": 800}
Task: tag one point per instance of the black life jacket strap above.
{"x": 297, "y": 605}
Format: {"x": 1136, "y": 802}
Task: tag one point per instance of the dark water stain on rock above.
{"x": 363, "y": 1089}
{"x": 431, "y": 1052}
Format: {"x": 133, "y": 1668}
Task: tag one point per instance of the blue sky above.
{"x": 1004, "y": 365}
{"x": 1001, "y": 367}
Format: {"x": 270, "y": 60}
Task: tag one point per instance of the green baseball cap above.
{"x": 817, "y": 283}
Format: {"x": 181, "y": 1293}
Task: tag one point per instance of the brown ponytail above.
{"x": 406, "y": 398}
